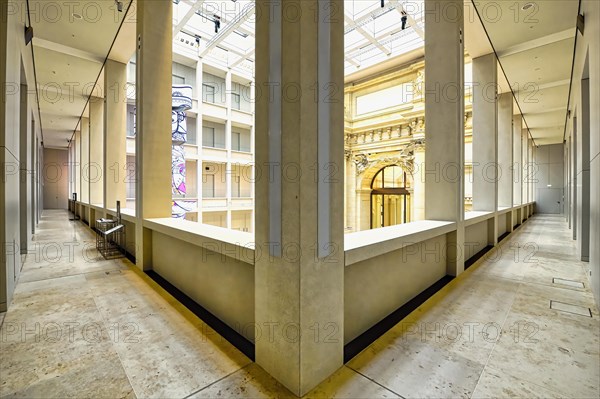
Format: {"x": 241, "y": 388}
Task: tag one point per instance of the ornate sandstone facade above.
{"x": 385, "y": 126}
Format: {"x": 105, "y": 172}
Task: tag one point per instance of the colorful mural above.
{"x": 181, "y": 101}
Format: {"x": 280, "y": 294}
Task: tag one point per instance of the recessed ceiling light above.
{"x": 77, "y": 16}
{"x": 527, "y": 6}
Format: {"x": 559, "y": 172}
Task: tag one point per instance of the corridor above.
{"x": 81, "y": 326}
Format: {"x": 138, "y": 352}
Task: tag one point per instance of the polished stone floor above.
{"x": 80, "y": 326}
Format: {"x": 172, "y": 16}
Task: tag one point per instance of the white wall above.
{"x": 588, "y": 48}
{"x": 16, "y": 68}
{"x": 376, "y": 287}
{"x": 549, "y": 179}
{"x": 56, "y": 178}
{"x": 221, "y": 284}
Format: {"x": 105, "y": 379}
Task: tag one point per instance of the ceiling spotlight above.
{"x": 404, "y": 19}
{"x": 217, "y": 21}
{"x": 119, "y": 5}
{"x": 527, "y": 6}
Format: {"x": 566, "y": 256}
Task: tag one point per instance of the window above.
{"x": 208, "y": 136}
{"x": 131, "y": 121}
{"x": 240, "y": 141}
{"x": 390, "y": 198}
{"x": 213, "y": 135}
{"x": 236, "y": 191}
{"x": 178, "y": 80}
{"x": 235, "y": 101}
{"x": 191, "y": 130}
{"x": 208, "y": 93}
{"x": 208, "y": 186}
{"x": 235, "y": 141}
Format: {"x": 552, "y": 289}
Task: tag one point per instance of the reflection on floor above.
{"x": 81, "y": 326}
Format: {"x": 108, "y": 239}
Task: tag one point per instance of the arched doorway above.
{"x": 390, "y": 197}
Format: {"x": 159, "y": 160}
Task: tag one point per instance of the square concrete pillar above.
{"x": 96, "y": 172}
{"x": 583, "y": 173}
{"x": 84, "y": 125}
{"x": 154, "y": 35}
{"x": 485, "y": 133}
{"x": 505, "y": 149}
{"x": 517, "y": 167}
{"x": 485, "y": 139}
{"x": 524, "y": 162}
{"x": 418, "y": 194}
{"x": 76, "y": 163}
{"x": 299, "y": 269}
{"x": 115, "y": 126}
{"x": 444, "y": 122}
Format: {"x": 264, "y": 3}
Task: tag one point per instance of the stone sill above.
{"x": 232, "y": 243}
{"x": 367, "y": 244}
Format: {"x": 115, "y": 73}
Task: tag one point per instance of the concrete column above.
{"x": 531, "y": 172}
{"x": 199, "y": 125}
{"x": 85, "y": 160}
{"x": 299, "y": 277}
{"x": 485, "y": 133}
{"x": 96, "y": 171}
{"x": 524, "y": 160}
{"x": 517, "y": 162}
{"x": 25, "y": 170}
{"x": 418, "y": 194}
{"x": 153, "y": 102}
{"x": 505, "y": 149}
{"x": 351, "y": 220}
{"x": 363, "y": 209}
{"x": 583, "y": 173}
{"x": 444, "y": 122}
{"x": 535, "y": 177}
{"x": 76, "y": 164}
{"x": 115, "y": 136}
{"x": 34, "y": 176}
{"x": 228, "y": 166}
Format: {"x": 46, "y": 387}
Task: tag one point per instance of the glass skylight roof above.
{"x": 372, "y": 34}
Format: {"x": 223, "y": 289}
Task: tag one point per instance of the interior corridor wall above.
{"x": 587, "y": 66}
{"x": 16, "y": 67}
{"x": 549, "y": 179}
{"x": 56, "y": 178}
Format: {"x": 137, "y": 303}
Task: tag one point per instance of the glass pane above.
{"x": 208, "y": 93}
{"x": 208, "y": 136}
{"x": 376, "y": 211}
{"x": 208, "y": 186}
{"x": 235, "y": 101}
{"x": 235, "y": 141}
{"x": 378, "y": 180}
{"x": 178, "y": 80}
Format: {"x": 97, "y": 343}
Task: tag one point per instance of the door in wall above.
{"x": 56, "y": 178}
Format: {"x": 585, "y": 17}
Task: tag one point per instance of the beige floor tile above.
{"x": 249, "y": 382}
{"x": 496, "y": 384}
{"x": 416, "y": 369}
{"x": 165, "y": 349}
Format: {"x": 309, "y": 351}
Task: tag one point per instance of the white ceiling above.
{"x": 69, "y": 53}
{"x": 535, "y": 48}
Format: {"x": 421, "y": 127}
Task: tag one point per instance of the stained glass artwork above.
{"x": 181, "y": 101}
